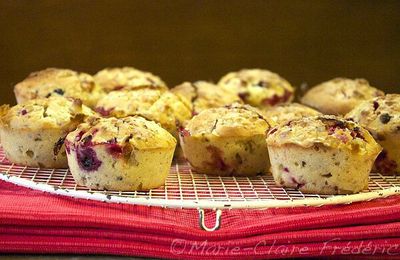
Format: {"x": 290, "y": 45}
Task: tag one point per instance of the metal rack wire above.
{"x": 186, "y": 189}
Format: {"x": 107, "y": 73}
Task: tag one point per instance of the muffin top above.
{"x": 379, "y": 115}
{"x": 201, "y": 95}
{"x": 111, "y": 79}
{"x": 46, "y": 113}
{"x": 340, "y": 95}
{"x": 329, "y": 131}
{"x": 59, "y": 82}
{"x": 286, "y": 112}
{"x": 230, "y": 121}
{"x": 134, "y": 131}
{"x": 260, "y": 88}
{"x": 155, "y": 104}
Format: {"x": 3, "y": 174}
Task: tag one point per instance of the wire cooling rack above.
{"x": 186, "y": 189}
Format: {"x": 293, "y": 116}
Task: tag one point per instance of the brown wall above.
{"x": 304, "y": 41}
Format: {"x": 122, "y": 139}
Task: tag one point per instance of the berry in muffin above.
{"x": 340, "y": 95}
{"x": 33, "y": 132}
{"x": 226, "y": 141}
{"x": 381, "y": 117}
{"x": 58, "y": 82}
{"x": 201, "y": 95}
{"x": 155, "y": 104}
{"x": 124, "y": 154}
{"x": 284, "y": 113}
{"x": 323, "y": 154}
{"x": 111, "y": 79}
{"x": 259, "y": 88}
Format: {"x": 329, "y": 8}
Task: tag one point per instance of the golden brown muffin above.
{"x": 111, "y": 79}
{"x": 340, "y": 95}
{"x": 155, "y": 104}
{"x": 381, "y": 117}
{"x": 323, "y": 154}
{"x": 284, "y": 113}
{"x": 33, "y": 132}
{"x": 226, "y": 141}
{"x": 259, "y": 88}
{"x": 125, "y": 154}
{"x": 202, "y": 95}
{"x": 58, "y": 82}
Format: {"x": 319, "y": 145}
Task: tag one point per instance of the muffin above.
{"x": 323, "y": 154}
{"x": 202, "y": 95}
{"x": 32, "y": 133}
{"x": 125, "y": 154}
{"x": 259, "y": 88}
{"x": 284, "y": 113}
{"x": 381, "y": 117}
{"x": 226, "y": 141}
{"x": 340, "y": 95}
{"x": 111, "y": 79}
{"x": 58, "y": 82}
{"x": 155, "y": 104}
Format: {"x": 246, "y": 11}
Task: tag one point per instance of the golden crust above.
{"x": 329, "y": 131}
{"x": 140, "y": 133}
{"x": 58, "y": 82}
{"x": 286, "y": 112}
{"x": 49, "y": 113}
{"x": 260, "y": 88}
{"x": 230, "y": 121}
{"x": 155, "y": 104}
{"x": 340, "y": 95}
{"x": 111, "y": 79}
{"x": 380, "y": 115}
{"x": 202, "y": 95}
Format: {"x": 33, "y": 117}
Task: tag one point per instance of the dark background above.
{"x": 304, "y": 41}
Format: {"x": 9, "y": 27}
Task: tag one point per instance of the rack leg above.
{"x": 218, "y": 214}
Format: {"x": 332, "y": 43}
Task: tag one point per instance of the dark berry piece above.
{"x": 59, "y": 91}
{"x": 263, "y": 84}
{"x": 87, "y": 140}
{"x": 87, "y": 159}
{"x": 24, "y": 112}
{"x": 385, "y": 118}
{"x": 58, "y": 145}
{"x": 376, "y": 105}
{"x": 356, "y": 133}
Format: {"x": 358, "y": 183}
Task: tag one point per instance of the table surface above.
{"x": 65, "y": 257}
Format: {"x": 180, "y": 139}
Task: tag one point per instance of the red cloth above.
{"x": 36, "y": 222}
